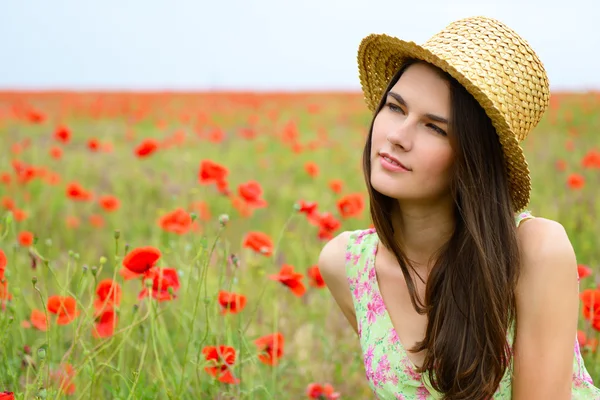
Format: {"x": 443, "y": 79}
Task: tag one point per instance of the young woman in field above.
{"x": 458, "y": 292}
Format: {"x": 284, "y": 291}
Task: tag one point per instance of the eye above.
{"x": 437, "y": 129}
{"x": 394, "y": 107}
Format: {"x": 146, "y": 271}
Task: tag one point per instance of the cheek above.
{"x": 438, "y": 165}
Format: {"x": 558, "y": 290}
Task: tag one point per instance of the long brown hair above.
{"x": 470, "y": 292}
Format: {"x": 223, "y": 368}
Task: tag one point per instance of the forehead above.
{"x": 422, "y": 86}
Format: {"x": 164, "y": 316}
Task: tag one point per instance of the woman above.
{"x": 458, "y": 292}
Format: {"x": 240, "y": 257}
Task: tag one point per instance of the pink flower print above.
{"x": 355, "y": 259}
{"x": 400, "y": 396}
{"x": 368, "y": 360}
{"x": 379, "y": 378}
{"x": 348, "y": 256}
{"x": 372, "y": 273}
{"x": 422, "y": 393}
{"x": 369, "y": 355}
{"x": 374, "y": 308}
{"x": 409, "y": 370}
{"x": 393, "y": 336}
{"x": 383, "y": 366}
{"x": 358, "y": 291}
{"x": 366, "y": 287}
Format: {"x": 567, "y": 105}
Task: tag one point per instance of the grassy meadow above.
{"x": 164, "y": 245}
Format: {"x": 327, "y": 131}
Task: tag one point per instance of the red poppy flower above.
{"x": 63, "y": 378}
{"x": 5, "y": 178}
{"x": 311, "y": 169}
{"x": 56, "y": 152}
{"x": 351, "y": 205}
{"x": 109, "y": 203}
{"x": 270, "y": 348}
{"x": 38, "y": 320}
{"x": 105, "y": 324}
{"x": 65, "y": 307}
{"x": 141, "y": 259}
{"x": 211, "y": 172}
{"x": 177, "y": 221}
{"x": 231, "y": 302}
{"x": 76, "y": 192}
{"x": 583, "y": 271}
{"x": 251, "y": 192}
{"x": 7, "y": 396}
{"x": 590, "y": 298}
{"x": 25, "y": 238}
{"x": 322, "y": 391}
{"x": 8, "y": 203}
{"x": 202, "y": 209}
{"x": 163, "y": 279}
{"x": 259, "y": 242}
{"x": 4, "y": 294}
{"x": 307, "y": 207}
{"x": 336, "y": 185}
{"x": 222, "y": 359}
{"x": 93, "y": 144}
{"x": 575, "y": 181}
{"x": 241, "y": 206}
{"x": 108, "y": 295}
{"x": 291, "y": 279}
{"x": 327, "y": 226}
{"x": 146, "y": 148}
{"x": 591, "y": 159}
{"x": 19, "y": 214}
{"x": 3, "y": 263}
{"x": 62, "y": 134}
{"x": 314, "y": 276}
{"x": 96, "y": 220}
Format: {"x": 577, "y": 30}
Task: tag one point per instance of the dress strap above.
{"x": 523, "y": 216}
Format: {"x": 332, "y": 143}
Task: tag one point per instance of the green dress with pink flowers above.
{"x": 390, "y": 373}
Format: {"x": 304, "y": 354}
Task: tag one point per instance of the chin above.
{"x": 388, "y": 186}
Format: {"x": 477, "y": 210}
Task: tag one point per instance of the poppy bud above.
{"x": 41, "y": 353}
{"x": 223, "y": 219}
{"x": 34, "y": 280}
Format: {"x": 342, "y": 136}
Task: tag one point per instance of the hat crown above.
{"x": 500, "y": 65}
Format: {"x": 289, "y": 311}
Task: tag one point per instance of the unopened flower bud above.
{"x": 94, "y": 270}
{"x": 103, "y": 260}
{"x": 223, "y": 219}
{"x": 34, "y": 280}
{"x": 148, "y": 283}
{"x": 41, "y": 353}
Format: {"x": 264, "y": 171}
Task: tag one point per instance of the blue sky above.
{"x": 259, "y": 44}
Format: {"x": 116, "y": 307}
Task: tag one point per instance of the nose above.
{"x": 401, "y": 135}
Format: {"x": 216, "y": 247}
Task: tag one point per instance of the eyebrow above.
{"x": 432, "y": 117}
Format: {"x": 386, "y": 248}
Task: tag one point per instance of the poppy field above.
{"x": 164, "y": 245}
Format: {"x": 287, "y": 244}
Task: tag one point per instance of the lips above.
{"x": 393, "y": 160}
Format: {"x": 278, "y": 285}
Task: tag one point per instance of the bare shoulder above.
{"x": 332, "y": 257}
{"x": 332, "y": 265}
{"x": 544, "y": 245}
{"x": 547, "y": 311}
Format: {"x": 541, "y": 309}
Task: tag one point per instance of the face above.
{"x": 411, "y": 156}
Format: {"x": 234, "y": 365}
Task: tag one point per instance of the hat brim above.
{"x": 379, "y": 58}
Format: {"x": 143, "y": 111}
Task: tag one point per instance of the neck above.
{"x": 421, "y": 230}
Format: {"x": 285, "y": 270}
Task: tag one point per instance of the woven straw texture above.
{"x": 496, "y": 65}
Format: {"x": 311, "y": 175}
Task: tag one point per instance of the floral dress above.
{"x": 390, "y": 373}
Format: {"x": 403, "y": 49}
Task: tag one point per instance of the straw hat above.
{"x": 492, "y": 62}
